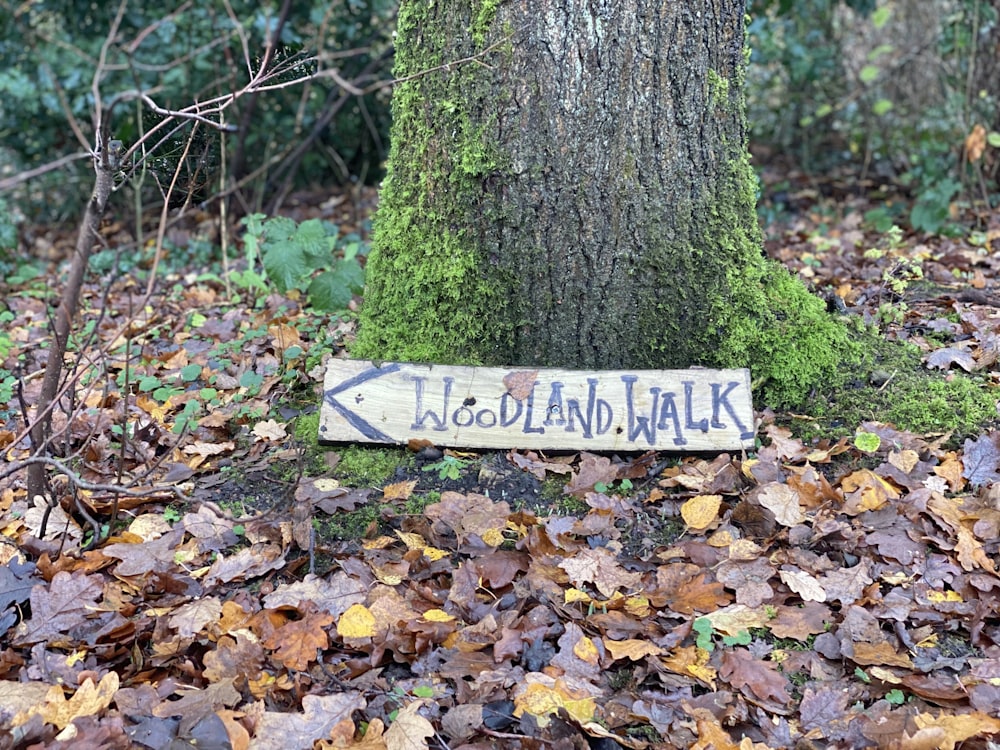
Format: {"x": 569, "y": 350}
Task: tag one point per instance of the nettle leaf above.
{"x": 279, "y": 228}
{"x": 292, "y": 252}
{"x": 333, "y": 290}
{"x": 285, "y": 263}
{"x": 316, "y": 239}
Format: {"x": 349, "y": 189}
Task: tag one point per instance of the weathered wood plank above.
{"x": 546, "y": 409}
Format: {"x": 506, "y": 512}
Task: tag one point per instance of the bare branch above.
{"x": 82, "y": 484}
{"x": 183, "y": 114}
{"x": 11, "y": 182}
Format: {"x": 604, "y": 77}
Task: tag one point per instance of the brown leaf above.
{"x": 520, "y": 383}
{"x": 750, "y": 581}
{"x": 146, "y": 557}
{"x": 783, "y": 502}
{"x": 944, "y": 358}
{"x": 237, "y": 656}
{"x": 538, "y": 466}
{"x": 982, "y": 459}
{"x": 881, "y": 653}
{"x": 593, "y": 470}
{"x": 297, "y": 641}
{"x": 59, "y": 608}
{"x": 190, "y": 618}
{"x": 741, "y": 669}
{"x": 600, "y": 567}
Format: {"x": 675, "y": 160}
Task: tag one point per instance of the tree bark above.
{"x": 569, "y": 186}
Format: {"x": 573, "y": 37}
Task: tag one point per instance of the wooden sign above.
{"x": 547, "y": 409}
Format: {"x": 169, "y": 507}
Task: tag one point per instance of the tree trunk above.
{"x": 569, "y": 186}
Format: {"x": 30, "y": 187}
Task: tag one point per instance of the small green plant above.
{"x": 705, "y": 639}
{"x": 171, "y": 515}
{"x": 448, "y": 467}
{"x": 310, "y": 257}
{"x": 703, "y": 627}
{"x": 896, "y": 697}
{"x": 624, "y": 485}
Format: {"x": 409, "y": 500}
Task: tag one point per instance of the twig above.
{"x": 76, "y": 481}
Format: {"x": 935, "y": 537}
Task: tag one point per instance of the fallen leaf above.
{"x": 783, "y": 502}
{"x": 89, "y": 699}
{"x": 409, "y": 730}
{"x": 701, "y": 511}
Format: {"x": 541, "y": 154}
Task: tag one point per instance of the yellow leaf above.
{"x": 493, "y": 537}
{"x": 585, "y": 650}
{"x": 633, "y": 649}
{"x": 399, "y": 490}
{"x": 575, "y": 595}
{"x": 88, "y": 700}
{"x": 944, "y": 596}
{"x": 959, "y": 727}
{"x": 412, "y": 541}
{"x": 638, "y": 606}
{"x": 437, "y": 615}
{"x": 356, "y": 622}
{"x": 433, "y": 553}
{"x": 545, "y": 696}
{"x": 701, "y": 511}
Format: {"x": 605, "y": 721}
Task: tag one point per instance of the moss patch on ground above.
{"x": 362, "y": 466}
{"x": 891, "y": 384}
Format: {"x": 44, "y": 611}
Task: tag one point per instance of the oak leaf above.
{"x": 333, "y": 595}
{"x": 542, "y": 696}
{"x": 188, "y": 619}
{"x": 89, "y": 699}
{"x": 399, "y": 490}
{"x": 600, "y": 567}
{"x": 741, "y": 669}
{"x": 279, "y": 730}
{"x": 958, "y": 727}
{"x": 298, "y": 641}
{"x": 632, "y": 649}
{"x": 783, "y": 502}
{"x": 409, "y": 730}
{"x": 803, "y": 584}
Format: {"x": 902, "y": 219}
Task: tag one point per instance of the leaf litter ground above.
{"x": 832, "y": 592}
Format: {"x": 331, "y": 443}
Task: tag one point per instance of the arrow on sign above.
{"x": 365, "y": 428}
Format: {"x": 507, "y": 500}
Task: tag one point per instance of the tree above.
{"x": 569, "y": 185}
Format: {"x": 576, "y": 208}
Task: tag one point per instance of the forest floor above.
{"x": 209, "y": 576}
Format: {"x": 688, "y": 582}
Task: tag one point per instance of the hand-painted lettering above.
{"x": 722, "y": 399}
{"x": 668, "y": 410}
{"x": 439, "y": 420}
{"x": 554, "y": 408}
{"x": 644, "y": 425}
{"x": 529, "y": 413}
{"x": 689, "y": 423}
{"x": 595, "y": 407}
